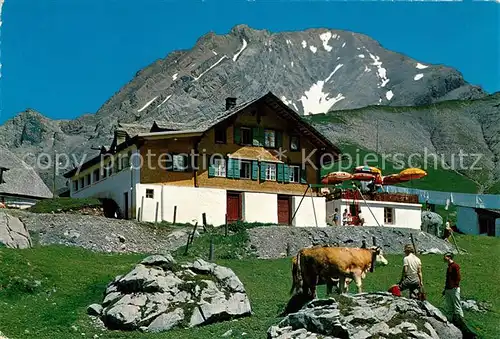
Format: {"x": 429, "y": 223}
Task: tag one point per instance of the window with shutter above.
{"x": 263, "y": 167}
{"x": 237, "y": 135}
{"x": 280, "y": 173}
{"x": 270, "y": 138}
{"x": 246, "y": 170}
{"x": 271, "y": 172}
{"x": 246, "y": 136}
{"x": 255, "y": 170}
{"x": 230, "y": 168}
{"x": 219, "y": 167}
{"x": 279, "y": 139}
{"x": 303, "y": 175}
{"x": 286, "y": 173}
{"x": 256, "y": 138}
{"x": 294, "y": 175}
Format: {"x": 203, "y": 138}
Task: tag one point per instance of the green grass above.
{"x": 437, "y": 179}
{"x": 63, "y": 204}
{"x": 79, "y": 278}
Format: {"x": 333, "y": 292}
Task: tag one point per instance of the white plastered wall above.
{"x": 260, "y": 207}
{"x": 114, "y": 186}
{"x": 405, "y": 215}
{"x": 191, "y": 203}
{"x": 304, "y": 215}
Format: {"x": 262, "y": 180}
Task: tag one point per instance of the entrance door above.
{"x": 284, "y": 210}
{"x": 233, "y": 207}
{"x": 125, "y": 198}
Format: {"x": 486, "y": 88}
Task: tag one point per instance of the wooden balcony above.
{"x": 387, "y": 197}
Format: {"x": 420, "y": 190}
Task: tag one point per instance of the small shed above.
{"x": 20, "y": 185}
{"x": 478, "y": 221}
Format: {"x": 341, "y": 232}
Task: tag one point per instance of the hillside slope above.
{"x": 442, "y": 131}
{"x": 313, "y": 71}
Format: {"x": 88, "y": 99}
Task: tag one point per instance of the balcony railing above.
{"x": 386, "y": 197}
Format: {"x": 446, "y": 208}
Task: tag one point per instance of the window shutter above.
{"x": 286, "y": 173}
{"x": 280, "y": 173}
{"x": 255, "y": 170}
{"x": 211, "y": 170}
{"x": 279, "y": 139}
{"x": 263, "y": 166}
{"x": 237, "y": 135}
{"x": 169, "y": 162}
{"x": 236, "y": 168}
{"x": 256, "y": 137}
{"x": 303, "y": 175}
{"x": 261, "y": 137}
{"x": 229, "y": 168}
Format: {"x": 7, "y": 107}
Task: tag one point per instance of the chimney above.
{"x": 230, "y": 103}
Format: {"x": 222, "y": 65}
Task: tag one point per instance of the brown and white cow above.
{"x": 342, "y": 262}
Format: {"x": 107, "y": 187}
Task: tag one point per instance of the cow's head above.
{"x": 377, "y": 257}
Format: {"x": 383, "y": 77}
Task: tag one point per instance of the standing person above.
{"x": 345, "y": 217}
{"x": 360, "y": 218}
{"x": 336, "y": 217}
{"x": 411, "y": 277}
{"x": 451, "y": 290}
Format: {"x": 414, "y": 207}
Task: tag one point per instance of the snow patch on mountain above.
{"x": 389, "y": 95}
{"x": 343, "y": 45}
{"x": 418, "y": 76}
{"x": 164, "y": 101}
{"x": 325, "y": 37}
{"x": 313, "y": 49}
{"x": 174, "y": 77}
{"x": 334, "y": 71}
{"x": 214, "y": 52}
{"x": 205, "y": 72}
{"x": 304, "y": 44}
{"x": 381, "y": 72}
{"x": 361, "y": 56}
{"x": 147, "y": 104}
{"x": 235, "y": 57}
{"x": 420, "y": 66}
{"x": 367, "y": 69}
{"x": 289, "y": 42}
{"x": 291, "y": 63}
{"x": 286, "y": 101}
{"x": 315, "y": 101}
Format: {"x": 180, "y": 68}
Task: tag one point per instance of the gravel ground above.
{"x": 101, "y": 234}
{"x": 272, "y": 242}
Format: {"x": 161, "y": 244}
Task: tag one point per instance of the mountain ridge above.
{"x": 313, "y": 71}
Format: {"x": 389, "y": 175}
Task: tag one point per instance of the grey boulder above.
{"x": 13, "y": 232}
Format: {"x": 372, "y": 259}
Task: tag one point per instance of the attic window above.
{"x": 150, "y": 193}
{"x": 220, "y": 135}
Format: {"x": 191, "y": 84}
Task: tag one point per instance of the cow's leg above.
{"x": 341, "y": 284}
{"x": 358, "y": 279}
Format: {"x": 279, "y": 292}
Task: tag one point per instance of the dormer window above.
{"x": 294, "y": 143}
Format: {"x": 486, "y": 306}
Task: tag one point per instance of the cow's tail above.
{"x": 300, "y": 280}
{"x": 294, "y": 276}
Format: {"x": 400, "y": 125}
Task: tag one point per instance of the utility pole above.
{"x": 54, "y": 166}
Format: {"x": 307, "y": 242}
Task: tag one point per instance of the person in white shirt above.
{"x": 411, "y": 277}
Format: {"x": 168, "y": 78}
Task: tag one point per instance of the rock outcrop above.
{"x": 159, "y": 294}
{"x": 274, "y": 242}
{"x": 432, "y": 223}
{"x": 13, "y": 232}
{"x": 366, "y": 315}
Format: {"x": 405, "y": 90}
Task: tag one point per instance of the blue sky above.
{"x": 65, "y": 58}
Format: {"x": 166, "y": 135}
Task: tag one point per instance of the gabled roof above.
{"x": 165, "y": 128}
{"x": 20, "y": 179}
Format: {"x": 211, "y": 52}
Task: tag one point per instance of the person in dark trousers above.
{"x": 451, "y": 292}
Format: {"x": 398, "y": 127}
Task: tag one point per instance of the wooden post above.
{"x": 175, "y": 213}
{"x": 374, "y": 240}
{"x": 363, "y": 244}
{"x": 288, "y": 249}
{"x": 194, "y": 231}
{"x": 162, "y": 215}
{"x": 190, "y": 239}
{"x": 211, "y": 253}
{"x": 204, "y": 218}
{"x": 456, "y": 245}
{"x": 225, "y": 228}
{"x": 156, "y": 214}
{"x": 142, "y": 208}
{"x": 139, "y": 214}
{"x": 413, "y": 243}
{"x": 314, "y": 209}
